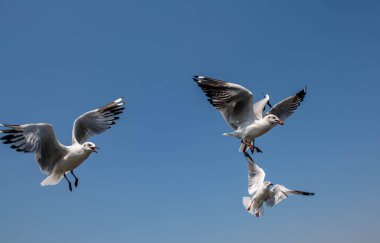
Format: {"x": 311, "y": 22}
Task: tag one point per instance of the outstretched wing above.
{"x": 278, "y": 193}
{"x": 96, "y": 121}
{"x": 232, "y": 100}
{"x": 258, "y": 107}
{"x": 35, "y": 138}
{"x": 287, "y": 107}
{"x": 256, "y": 175}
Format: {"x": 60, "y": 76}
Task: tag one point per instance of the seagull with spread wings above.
{"x": 261, "y": 192}
{"x": 55, "y": 159}
{"x": 248, "y": 119}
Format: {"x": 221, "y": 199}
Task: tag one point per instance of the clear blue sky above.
{"x": 165, "y": 173}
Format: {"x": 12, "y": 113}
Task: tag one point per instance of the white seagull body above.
{"x": 54, "y": 158}
{"x": 261, "y": 192}
{"x": 235, "y": 103}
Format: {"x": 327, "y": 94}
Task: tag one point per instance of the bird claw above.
{"x": 258, "y": 150}
{"x": 253, "y": 148}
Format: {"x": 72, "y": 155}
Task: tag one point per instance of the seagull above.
{"x": 261, "y": 192}
{"x": 55, "y": 159}
{"x": 248, "y": 119}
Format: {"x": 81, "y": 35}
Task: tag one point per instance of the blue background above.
{"x": 164, "y": 172}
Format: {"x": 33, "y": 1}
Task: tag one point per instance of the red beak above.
{"x": 281, "y": 122}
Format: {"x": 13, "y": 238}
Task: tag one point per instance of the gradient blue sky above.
{"x": 165, "y": 173}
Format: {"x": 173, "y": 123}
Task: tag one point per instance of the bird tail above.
{"x": 247, "y": 202}
{"x": 233, "y": 134}
{"x": 52, "y": 179}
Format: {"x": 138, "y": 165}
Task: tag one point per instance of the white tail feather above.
{"x": 247, "y": 202}
{"x": 52, "y": 179}
{"x": 232, "y": 134}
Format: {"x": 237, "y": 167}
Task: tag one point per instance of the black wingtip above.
{"x": 197, "y": 78}
{"x": 269, "y": 104}
{"x": 305, "y": 193}
{"x": 10, "y": 125}
{"x": 301, "y": 94}
{"x": 305, "y": 90}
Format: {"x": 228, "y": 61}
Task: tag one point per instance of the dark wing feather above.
{"x": 232, "y": 100}
{"x": 287, "y": 107}
{"x": 297, "y": 192}
{"x": 35, "y": 138}
{"x": 279, "y": 192}
{"x": 97, "y": 121}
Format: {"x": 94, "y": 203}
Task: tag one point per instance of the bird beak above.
{"x": 281, "y": 122}
{"x": 94, "y": 149}
{"x": 271, "y": 184}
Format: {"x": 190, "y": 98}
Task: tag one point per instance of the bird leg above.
{"x": 247, "y": 145}
{"x": 257, "y": 213}
{"x": 76, "y": 178}
{"x": 258, "y": 150}
{"x": 70, "y": 187}
{"x": 252, "y": 147}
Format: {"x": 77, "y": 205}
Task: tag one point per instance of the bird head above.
{"x": 268, "y": 184}
{"x": 88, "y": 146}
{"x": 273, "y": 119}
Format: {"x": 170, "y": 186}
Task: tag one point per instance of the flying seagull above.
{"x": 55, "y": 159}
{"x": 248, "y": 119}
{"x": 261, "y": 192}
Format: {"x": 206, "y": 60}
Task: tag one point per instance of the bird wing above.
{"x": 285, "y": 108}
{"x": 96, "y": 121}
{"x": 35, "y": 138}
{"x": 258, "y": 107}
{"x": 279, "y": 193}
{"x": 232, "y": 100}
{"x": 256, "y": 175}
